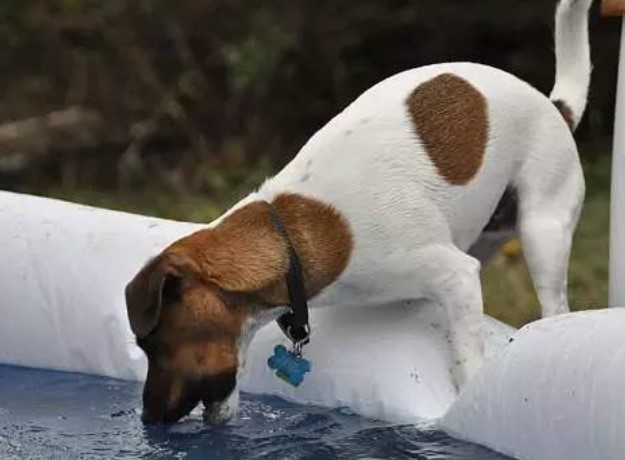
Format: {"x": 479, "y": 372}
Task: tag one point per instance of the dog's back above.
{"x": 426, "y": 156}
{"x": 449, "y": 138}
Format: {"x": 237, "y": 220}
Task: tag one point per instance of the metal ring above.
{"x": 298, "y": 344}
{"x": 288, "y": 333}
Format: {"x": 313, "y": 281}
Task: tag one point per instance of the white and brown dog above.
{"x": 399, "y": 197}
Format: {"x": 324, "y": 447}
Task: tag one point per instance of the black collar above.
{"x": 294, "y": 323}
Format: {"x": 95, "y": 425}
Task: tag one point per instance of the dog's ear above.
{"x": 156, "y": 284}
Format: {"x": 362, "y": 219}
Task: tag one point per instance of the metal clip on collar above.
{"x": 299, "y": 344}
{"x": 294, "y": 323}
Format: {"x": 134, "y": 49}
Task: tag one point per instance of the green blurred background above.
{"x": 177, "y": 109}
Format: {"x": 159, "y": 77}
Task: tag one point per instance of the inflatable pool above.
{"x": 550, "y": 391}
{"x": 63, "y": 279}
{"x": 555, "y": 392}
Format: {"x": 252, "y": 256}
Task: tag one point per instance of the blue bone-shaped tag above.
{"x": 288, "y": 365}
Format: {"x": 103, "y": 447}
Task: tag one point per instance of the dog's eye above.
{"x": 152, "y": 347}
{"x": 172, "y": 289}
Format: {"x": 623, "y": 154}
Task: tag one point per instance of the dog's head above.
{"x": 189, "y": 330}
{"x": 191, "y": 306}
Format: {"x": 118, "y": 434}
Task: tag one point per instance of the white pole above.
{"x": 617, "y": 216}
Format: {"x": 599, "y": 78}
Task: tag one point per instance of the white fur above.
{"x": 226, "y": 409}
{"x": 222, "y": 411}
{"x": 412, "y": 229}
{"x": 573, "y": 65}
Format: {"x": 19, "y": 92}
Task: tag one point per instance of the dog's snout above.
{"x": 168, "y": 398}
{"x": 217, "y": 388}
{"x": 166, "y": 411}
{"x": 150, "y": 417}
{"x": 221, "y": 399}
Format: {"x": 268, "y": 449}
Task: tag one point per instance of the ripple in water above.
{"x": 53, "y": 415}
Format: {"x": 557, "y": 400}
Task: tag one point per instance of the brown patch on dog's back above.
{"x": 451, "y": 118}
{"x": 566, "y": 113}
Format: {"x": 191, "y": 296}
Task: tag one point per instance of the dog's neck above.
{"x": 246, "y": 253}
{"x": 321, "y": 239}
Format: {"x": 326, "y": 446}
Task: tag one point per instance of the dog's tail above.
{"x": 573, "y": 65}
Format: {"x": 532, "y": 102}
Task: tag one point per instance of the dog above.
{"x": 401, "y": 196}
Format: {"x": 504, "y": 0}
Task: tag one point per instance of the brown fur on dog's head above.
{"x": 188, "y": 307}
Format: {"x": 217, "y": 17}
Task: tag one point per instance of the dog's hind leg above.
{"x": 550, "y": 205}
{"x": 546, "y": 246}
{"x": 452, "y": 279}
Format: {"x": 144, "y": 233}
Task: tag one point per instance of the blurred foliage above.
{"x": 231, "y": 85}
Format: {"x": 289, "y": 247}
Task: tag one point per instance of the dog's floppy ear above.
{"x": 147, "y": 292}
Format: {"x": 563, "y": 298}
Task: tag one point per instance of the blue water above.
{"x": 53, "y": 415}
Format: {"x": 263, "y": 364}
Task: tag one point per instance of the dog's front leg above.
{"x": 452, "y": 279}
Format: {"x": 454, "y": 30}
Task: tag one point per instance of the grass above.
{"x": 508, "y": 292}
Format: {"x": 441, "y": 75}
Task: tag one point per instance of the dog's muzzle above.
{"x": 166, "y": 403}
{"x": 219, "y": 413}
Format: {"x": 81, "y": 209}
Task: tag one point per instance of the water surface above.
{"x": 54, "y": 415}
